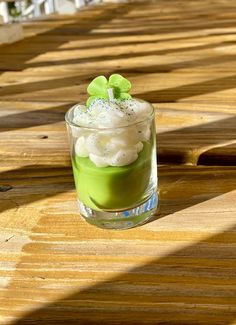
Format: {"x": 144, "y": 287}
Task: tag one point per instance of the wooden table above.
{"x": 178, "y": 269}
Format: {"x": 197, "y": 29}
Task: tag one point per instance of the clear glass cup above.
{"x": 115, "y": 197}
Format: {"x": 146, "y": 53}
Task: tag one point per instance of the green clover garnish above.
{"x": 99, "y": 86}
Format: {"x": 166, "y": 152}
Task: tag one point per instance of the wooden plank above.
{"x": 183, "y": 137}
{"x": 181, "y": 87}
{"x": 186, "y": 259}
{"x": 177, "y": 269}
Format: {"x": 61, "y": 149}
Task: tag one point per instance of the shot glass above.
{"x": 115, "y": 197}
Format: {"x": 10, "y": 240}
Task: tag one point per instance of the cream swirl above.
{"x": 111, "y": 133}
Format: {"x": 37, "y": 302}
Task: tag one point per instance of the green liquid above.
{"x": 112, "y": 188}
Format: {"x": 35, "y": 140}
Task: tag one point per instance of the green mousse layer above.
{"x": 112, "y": 187}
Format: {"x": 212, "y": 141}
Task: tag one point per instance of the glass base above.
{"x": 120, "y": 219}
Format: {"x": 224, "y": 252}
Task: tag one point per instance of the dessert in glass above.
{"x": 113, "y": 152}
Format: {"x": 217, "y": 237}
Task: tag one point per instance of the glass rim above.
{"x": 71, "y": 123}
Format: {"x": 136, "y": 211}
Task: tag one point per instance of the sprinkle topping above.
{"x": 111, "y": 135}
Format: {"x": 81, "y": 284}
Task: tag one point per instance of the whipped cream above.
{"x": 118, "y": 133}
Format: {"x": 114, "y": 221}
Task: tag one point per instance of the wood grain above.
{"x": 177, "y": 269}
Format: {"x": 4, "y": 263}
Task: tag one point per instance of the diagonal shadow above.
{"x": 33, "y": 118}
{"x": 158, "y": 288}
{"x": 225, "y": 155}
{"x": 29, "y": 184}
{"x": 194, "y": 145}
{"x": 208, "y": 61}
{"x": 165, "y": 291}
{"x": 194, "y": 284}
{"x": 104, "y": 14}
{"x": 189, "y": 186}
{"x": 175, "y": 49}
{"x": 176, "y": 93}
{"x": 166, "y": 29}
{"x": 165, "y": 95}
{"x": 191, "y": 285}
{"x": 56, "y": 83}
{"x": 114, "y": 43}
{"x": 190, "y": 48}
{"x": 161, "y": 67}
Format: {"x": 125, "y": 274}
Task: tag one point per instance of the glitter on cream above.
{"x": 120, "y": 144}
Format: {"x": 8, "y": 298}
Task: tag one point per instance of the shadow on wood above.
{"x": 191, "y": 285}
{"x": 211, "y": 143}
{"x": 29, "y": 184}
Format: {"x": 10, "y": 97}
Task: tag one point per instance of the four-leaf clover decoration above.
{"x": 98, "y": 88}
